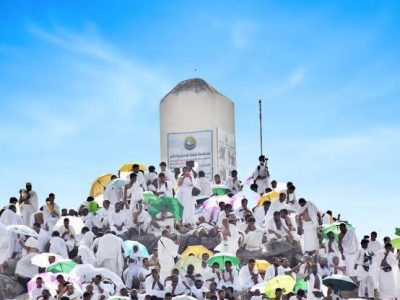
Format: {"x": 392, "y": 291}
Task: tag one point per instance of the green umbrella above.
{"x": 301, "y": 284}
{"x": 395, "y": 243}
{"x": 397, "y": 231}
{"x": 340, "y": 283}
{"x": 335, "y": 228}
{"x": 222, "y": 258}
{"x": 148, "y": 197}
{"x": 285, "y": 282}
{"x": 220, "y": 190}
{"x": 61, "y": 266}
{"x": 173, "y": 206}
{"x": 93, "y": 206}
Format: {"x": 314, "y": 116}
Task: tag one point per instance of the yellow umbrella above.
{"x": 128, "y": 167}
{"x": 99, "y": 184}
{"x": 183, "y": 263}
{"x": 197, "y": 251}
{"x": 285, "y": 282}
{"x": 271, "y": 196}
{"x": 262, "y": 265}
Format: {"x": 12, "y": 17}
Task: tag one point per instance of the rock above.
{"x": 22, "y": 297}
{"x": 10, "y": 267}
{"x": 10, "y": 288}
{"x": 283, "y": 248}
{"x": 278, "y": 248}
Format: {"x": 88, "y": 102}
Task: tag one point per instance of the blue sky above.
{"x": 81, "y": 83}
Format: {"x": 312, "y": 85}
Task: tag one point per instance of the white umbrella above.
{"x": 42, "y": 260}
{"x": 85, "y": 273}
{"x": 118, "y": 182}
{"x": 75, "y": 222}
{"x": 281, "y": 186}
{"x": 252, "y": 198}
{"x": 22, "y": 229}
{"x": 260, "y": 286}
{"x": 107, "y": 274}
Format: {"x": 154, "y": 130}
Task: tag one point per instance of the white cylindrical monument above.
{"x": 197, "y": 123}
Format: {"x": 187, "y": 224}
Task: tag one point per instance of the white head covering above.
{"x": 32, "y": 243}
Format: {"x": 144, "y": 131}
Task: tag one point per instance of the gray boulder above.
{"x": 10, "y": 288}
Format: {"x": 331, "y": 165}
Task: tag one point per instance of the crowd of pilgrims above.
{"x": 371, "y": 264}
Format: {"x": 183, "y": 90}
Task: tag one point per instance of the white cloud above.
{"x": 242, "y": 34}
{"x": 361, "y": 150}
{"x": 91, "y": 46}
{"x": 297, "y": 76}
{"x": 346, "y": 173}
{"x": 87, "y": 111}
{"x": 99, "y": 86}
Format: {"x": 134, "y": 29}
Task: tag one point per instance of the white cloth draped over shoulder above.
{"x": 58, "y": 246}
{"x": 312, "y": 211}
{"x": 165, "y": 189}
{"x": 10, "y": 218}
{"x": 253, "y": 239}
{"x": 184, "y": 195}
{"x": 229, "y": 244}
{"x": 233, "y": 184}
{"x": 87, "y": 255}
{"x": 277, "y": 233}
{"x": 169, "y": 176}
{"x": 261, "y": 171}
{"x": 167, "y": 251}
{"x": 276, "y": 205}
{"x": 246, "y": 277}
{"x": 117, "y": 220}
{"x": 109, "y": 253}
{"x": 350, "y": 247}
{"x": 387, "y": 280}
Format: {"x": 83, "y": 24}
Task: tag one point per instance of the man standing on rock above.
{"x": 167, "y": 251}
{"x": 28, "y": 203}
{"x": 261, "y": 175}
{"x": 109, "y": 252}
{"x": 308, "y": 220}
{"x": 364, "y": 271}
{"x": 348, "y": 246}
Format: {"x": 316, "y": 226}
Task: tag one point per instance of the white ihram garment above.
{"x": 350, "y": 247}
{"x": 387, "y": 280}
{"x": 109, "y": 253}
{"x": 231, "y": 243}
{"x": 185, "y": 197}
{"x": 261, "y": 170}
{"x": 167, "y": 251}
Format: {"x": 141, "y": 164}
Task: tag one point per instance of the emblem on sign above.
{"x": 189, "y": 143}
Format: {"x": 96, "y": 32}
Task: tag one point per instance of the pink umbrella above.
{"x": 249, "y": 181}
{"x": 51, "y": 283}
{"x": 251, "y": 196}
{"x": 212, "y": 204}
{"x": 214, "y": 201}
{"x": 47, "y": 278}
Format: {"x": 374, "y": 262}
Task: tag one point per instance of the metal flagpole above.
{"x": 260, "y": 113}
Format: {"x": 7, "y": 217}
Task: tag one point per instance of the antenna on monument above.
{"x": 260, "y": 113}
